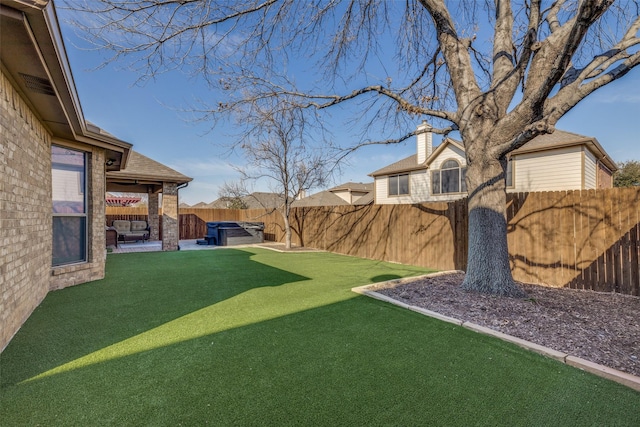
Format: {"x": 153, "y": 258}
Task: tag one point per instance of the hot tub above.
{"x": 229, "y": 233}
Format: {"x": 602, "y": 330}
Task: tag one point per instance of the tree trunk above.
{"x": 488, "y": 269}
{"x": 287, "y": 232}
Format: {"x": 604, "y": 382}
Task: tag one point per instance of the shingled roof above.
{"x": 354, "y": 186}
{"x": 560, "y": 139}
{"x": 323, "y": 198}
{"x": 555, "y": 140}
{"x": 142, "y": 168}
{"x": 405, "y": 165}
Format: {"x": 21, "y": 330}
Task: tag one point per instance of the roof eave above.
{"x": 41, "y": 54}
{"x": 591, "y": 143}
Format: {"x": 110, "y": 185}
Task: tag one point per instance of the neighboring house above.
{"x": 350, "y": 193}
{"x": 255, "y": 200}
{"x": 260, "y": 200}
{"x": 557, "y": 161}
{"x": 54, "y": 168}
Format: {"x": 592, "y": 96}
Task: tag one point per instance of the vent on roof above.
{"x": 38, "y": 84}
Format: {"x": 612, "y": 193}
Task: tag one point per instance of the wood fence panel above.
{"x": 513, "y": 207}
{"x": 580, "y": 239}
{"x": 565, "y": 239}
{"x": 634, "y": 264}
{"x": 519, "y": 237}
{"x": 590, "y": 231}
{"x": 120, "y": 210}
{"x": 192, "y": 227}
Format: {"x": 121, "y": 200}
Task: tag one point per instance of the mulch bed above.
{"x": 600, "y": 327}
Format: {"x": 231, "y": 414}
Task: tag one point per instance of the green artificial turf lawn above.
{"x": 257, "y": 338}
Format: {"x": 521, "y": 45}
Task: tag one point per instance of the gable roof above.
{"x": 441, "y": 148}
{"x": 353, "y": 186}
{"x": 364, "y": 200}
{"x": 555, "y": 140}
{"x": 410, "y": 163}
{"x": 323, "y": 198}
{"x": 562, "y": 139}
{"x": 142, "y": 168}
{"x": 255, "y": 200}
{"x": 259, "y": 200}
{"x": 405, "y": 165}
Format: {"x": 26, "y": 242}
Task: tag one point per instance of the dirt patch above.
{"x": 600, "y": 327}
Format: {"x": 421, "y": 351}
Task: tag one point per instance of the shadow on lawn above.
{"x": 335, "y": 364}
{"x": 140, "y": 294}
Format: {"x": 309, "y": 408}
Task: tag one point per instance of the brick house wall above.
{"x": 604, "y": 177}
{"x": 26, "y": 208}
{"x": 170, "y": 228}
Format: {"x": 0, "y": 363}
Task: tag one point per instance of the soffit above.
{"x": 33, "y": 57}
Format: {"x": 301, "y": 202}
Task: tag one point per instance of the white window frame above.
{"x": 446, "y": 167}
{"x": 57, "y": 259}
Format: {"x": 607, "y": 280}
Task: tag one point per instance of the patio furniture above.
{"x": 111, "y": 237}
{"x": 131, "y": 231}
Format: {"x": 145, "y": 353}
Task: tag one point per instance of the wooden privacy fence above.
{"x": 578, "y": 239}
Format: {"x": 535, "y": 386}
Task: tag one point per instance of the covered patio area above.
{"x": 146, "y": 176}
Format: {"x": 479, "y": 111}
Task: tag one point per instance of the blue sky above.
{"x": 149, "y": 117}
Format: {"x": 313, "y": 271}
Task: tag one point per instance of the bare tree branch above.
{"x": 383, "y": 66}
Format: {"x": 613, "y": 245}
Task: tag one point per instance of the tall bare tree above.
{"x": 233, "y": 194}
{"x": 279, "y": 148}
{"x": 500, "y": 73}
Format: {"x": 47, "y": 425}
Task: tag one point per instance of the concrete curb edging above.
{"x": 620, "y": 377}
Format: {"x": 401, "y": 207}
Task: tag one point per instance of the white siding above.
{"x": 344, "y": 195}
{"x": 590, "y": 168}
{"x": 418, "y": 189}
{"x": 420, "y": 182}
{"x": 553, "y": 170}
{"x": 450, "y": 152}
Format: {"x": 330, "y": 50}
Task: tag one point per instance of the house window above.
{"x": 509, "y": 177}
{"x": 399, "y": 184}
{"x": 450, "y": 178}
{"x": 69, "y": 189}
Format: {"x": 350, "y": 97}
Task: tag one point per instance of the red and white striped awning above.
{"x": 121, "y": 201}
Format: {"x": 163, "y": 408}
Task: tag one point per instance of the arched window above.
{"x": 450, "y": 178}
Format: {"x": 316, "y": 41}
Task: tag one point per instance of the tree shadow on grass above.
{"x": 140, "y": 293}
{"x": 335, "y": 364}
{"x": 384, "y": 278}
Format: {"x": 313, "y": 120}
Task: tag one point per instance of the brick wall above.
{"x": 26, "y": 274}
{"x": 153, "y": 216}
{"x": 170, "y": 228}
{"x": 25, "y": 211}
